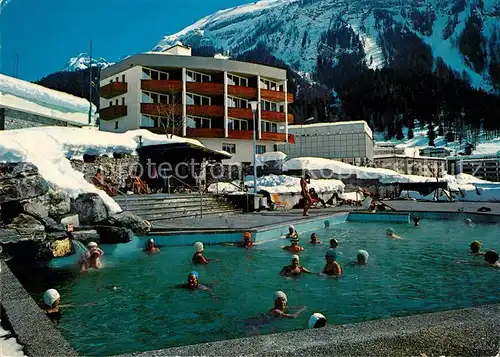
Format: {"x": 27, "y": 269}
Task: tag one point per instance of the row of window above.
{"x": 192, "y": 76}
{"x": 117, "y": 79}
{"x": 154, "y": 74}
{"x": 231, "y": 148}
{"x": 156, "y": 98}
{"x": 271, "y": 85}
{"x": 196, "y": 99}
{"x": 233, "y": 102}
{"x": 234, "y": 80}
{"x": 117, "y": 102}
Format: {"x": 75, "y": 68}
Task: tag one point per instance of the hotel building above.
{"x": 198, "y": 97}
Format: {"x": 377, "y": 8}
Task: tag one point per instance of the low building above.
{"x": 25, "y": 105}
{"x": 435, "y": 152}
{"x": 485, "y": 167}
{"x": 198, "y": 97}
{"x": 350, "y": 142}
{"x": 387, "y": 149}
{"x": 418, "y": 165}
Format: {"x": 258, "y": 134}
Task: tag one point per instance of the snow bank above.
{"x": 261, "y": 159}
{"x": 9, "y": 346}
{"x": 280, "y": 184}
{"x": 49, "y": 147}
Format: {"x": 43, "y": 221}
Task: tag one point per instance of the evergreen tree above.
{"x": 410, "y": 134}
{"x": 399, "y": 132}
{"x": 431, "y": 134}
{"x": 441, "y": 130}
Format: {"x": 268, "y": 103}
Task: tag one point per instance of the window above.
{"x": 116, "y": 102}
{"x": 116, "y": 125}
{"x": 195, "y": 99}
{"x": 198, "y": 122}
{"x": 150, "y": 97}
{"x": 153, "y": 74}
{"x": 117, "y": 79}
{"x": 237, "y": 80}
{"x": 230, "y": 148}
{"x": 233, "y": 102}
{"x": 260, "y": 149}
{"x": 123, "y": 100}
{"x": 266, "y": 126}
{"x": 237, "y": 124}
{"x": 147, "y": 121}
{"x": 111, "y": 104}
{"x": 192, "y": 76}
{"x": 267, "y": 84}
{"x": 123, "y": 78}
{"x": 269, "y": 106}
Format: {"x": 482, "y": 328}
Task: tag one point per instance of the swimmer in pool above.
{"x": 491, "y": 259}
{"x": 247, "y": 240}
{"x": 392, "y": 234}
{"x": 314, "y": 239}
{"x": 468, "y": 222}
{"x": 292, "y": 233}
{"x": 52, "y": 300}
{"x": 280, "y": 310}
{"x": 194, "y": 284}
{"x": 295, "y": 268}
{"x": 362, "y": 257}
{"x": 151, "y": 247}
{"x": 475, "y": 248}
{"x": 334, "y": 243}
{"x": 294, "y": 247}
{"x": 317, "y": 320}
{"x": 332, "y": 267}
{"x": 198, "y": 257}
{"x": 91, "y": 259}
{"x": 416, "y": 221}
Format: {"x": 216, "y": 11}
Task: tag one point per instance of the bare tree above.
{"x": 170, "y": 113}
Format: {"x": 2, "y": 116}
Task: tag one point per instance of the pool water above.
{"x": 414, "y": 275}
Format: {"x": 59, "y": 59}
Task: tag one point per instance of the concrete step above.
{"x": 188, "y": 215}
{"x": 175, "y": 202}
{"x": 167, "y": 210}
{"x": 143, "y": 198}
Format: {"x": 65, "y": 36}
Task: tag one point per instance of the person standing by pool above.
{"x": 304, "y": 192}
{"x": 295, "y": 268}
{"x": 280, "y": 310}
{"x": 392, "y": 234}
{"x": 294, "y": 247}
{"x": 314, "y": 239}
{"x": 151, "y": 247}
{"x": 475, "y": 248}
{"x": 292, "y": 233}
{"x": 317, "y": 320}
{"x": 91, "y": 259}
{"x": 332, "y": 267}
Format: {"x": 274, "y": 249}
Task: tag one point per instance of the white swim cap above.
{"x": 151, "y": 240}
{"x": 92, "y": 245}
{"x": 198, "y": 247}
{"x": 50, "y": 297}
{"x": 291, "y": 227}
{"x": 295, "y": 256}
{"x": 280, "y": 295}
{"x": 314, "y": 318}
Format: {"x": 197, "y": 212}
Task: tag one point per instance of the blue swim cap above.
{"x": 195, "y": 273}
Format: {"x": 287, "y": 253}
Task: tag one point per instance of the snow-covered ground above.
{"x": 33, "y": 98}
{"x": 9, "y": 346}
{"x": 49, "y": 147}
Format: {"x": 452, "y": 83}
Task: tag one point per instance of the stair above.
{"x": 164, "y": 207}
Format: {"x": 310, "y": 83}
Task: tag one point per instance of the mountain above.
{"x": 82, "y": 62}
{"x": 315, "y": 36}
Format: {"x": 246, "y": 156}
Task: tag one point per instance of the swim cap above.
{"x": 476, "y": 243}
{"x": 151, "y": 240}
{"x": 314, "y": 235}
{"x": 333, "y": 240}
{"x": 314, "y": 318}
{"x": 331, "y": 253}
{"x": 92, "y": 245}
{"x": 364, "y": 253}
{"x": 193, "y": 273}
{"x": 295, "y": 256}
{"x": 198, "y": 247}
{"x": 50, "y": 297}
{"x": 247, "y": 235}
{"x": 390, "y": 231}
{"x": 280, "y": 295}
{"x": 291, "y": 227}
{"x": 94, "y": 250}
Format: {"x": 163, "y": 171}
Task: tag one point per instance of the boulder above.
{"x": 59, "y": 203}
{"x": 36, "y": 207}
{"x": 20, "y": 189}
{"x": 17, "y": 170}
{"x": 28, "y": 227}
{"x": 72, "y": 219}
{"x": 51, "y": 225}
{"x": 90, "y": 208}
{"x": 128, "y": 220}
{"x": 114, "y": 235}
{"x": 87, "y": 236}
{"x": 9, "y": 236}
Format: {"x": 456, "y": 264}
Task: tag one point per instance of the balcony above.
{"x": 113, "y": 112}
{"x": 205, "y": 132}
{"x": 275, "y": 96}
{"x": 113, "y": 89}
{"x": 275, "y": 116}
{"x": 160, "y": 109}
{"x": 277, "y": 137}
{"x": 242, "y": 92}
{"x": 205, "y": 88}
{"x": 240, "y": 113}
{"x": 205, "y": 110}
{"x": 161, "y": 86}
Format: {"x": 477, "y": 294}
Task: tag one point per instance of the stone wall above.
{"x": 12, "y": 119}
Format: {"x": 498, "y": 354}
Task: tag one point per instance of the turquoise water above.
{"x": 403, "y": 277}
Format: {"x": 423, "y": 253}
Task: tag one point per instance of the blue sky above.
{"x": 46, "y": 33}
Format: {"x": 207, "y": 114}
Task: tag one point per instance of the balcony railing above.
{"x": 242, "y": 92}
{"x": 276, "y": 136}
{"x": 275, "y": 116}
{"x": 160, "y": 109}
{"x": 205, "y": 110}
{"x": 275, "y": 96}
{"x": 113, "y": 112}
{"x": 205, "y": 132}
{"x": 161, "y": 86}
{"x": 113, "y": 89}
{"x": 240, "y": 113}
{"x": 205, "y": 88}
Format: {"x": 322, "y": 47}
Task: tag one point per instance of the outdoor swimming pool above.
{"x": 410, "y": 276}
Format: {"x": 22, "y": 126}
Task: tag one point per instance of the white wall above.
{"x": 244, "y": 149}
{"x": 178, "y": 51}
{"x": 132, "y": 101}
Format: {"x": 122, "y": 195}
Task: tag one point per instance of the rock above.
{"x": 53, "y": 236}
{"x": 87, "y": 236}
{"x": 28, "y": 227}
{"x": 59, "y": 203}
{"x": 51, "y": 225}
{"x": 17, "y": 170}
{"x": 90, "y": 208}
{"x": 9, "y": 236}
{"x": 20, "y": 189}
{"x": 114, "y": 235}
{"x": 36, "y": 207}
{"x": 128, "y": 220}
{"x": 73, "y": 219}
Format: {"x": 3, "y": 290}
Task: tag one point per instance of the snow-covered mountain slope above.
{"x": 299, "y": 32}
{"x": 82, "y": 62}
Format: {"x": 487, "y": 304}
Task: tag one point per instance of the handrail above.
{"x": 192, "y": 188}
{"x": 126, "y": 198}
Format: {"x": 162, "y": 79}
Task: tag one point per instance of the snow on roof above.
{"x": 49, "y": 147}
{"x": 33, "y": 98}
